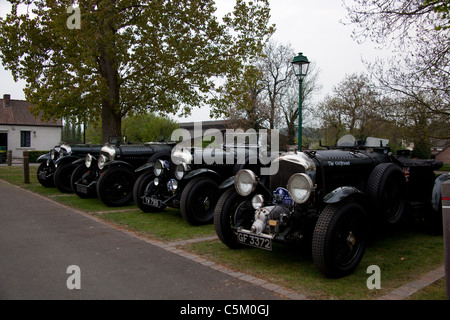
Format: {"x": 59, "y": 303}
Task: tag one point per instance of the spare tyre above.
{"x": 386, "y": 189}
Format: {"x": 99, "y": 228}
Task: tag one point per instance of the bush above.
{"x": 33, "y": 155}
{"x": 422, "y": 150}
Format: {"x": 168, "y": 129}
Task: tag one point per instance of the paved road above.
{"x": 40, "y": 239}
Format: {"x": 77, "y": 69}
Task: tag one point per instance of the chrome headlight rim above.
{"x": 109, "y": 150}
{"x": 65, "y": 150}
{"x": 300, "y": 187}
{"x": 245, "y": 182}
{"x": 258, "y": 201}
{"x": 88, "y": 161}
{"x": 181, "y": 170}
{"x": 102, "y": 161}
{"x": 53, "y": 154}
{"x": 159, "y": 167}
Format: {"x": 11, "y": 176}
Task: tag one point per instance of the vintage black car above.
{"x": 111, "y": 174}
{"x": 57, "y": 165}
{"x": 190, "y": 181}
{"x": 330, "y": 199}
{"x": 47, "y": 168}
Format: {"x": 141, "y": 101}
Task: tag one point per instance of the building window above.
{"x": 25, "y": 139}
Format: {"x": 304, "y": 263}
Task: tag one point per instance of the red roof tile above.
{"x": 18, "y": 113}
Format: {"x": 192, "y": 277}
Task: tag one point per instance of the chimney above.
{"x": 7, "y": 100}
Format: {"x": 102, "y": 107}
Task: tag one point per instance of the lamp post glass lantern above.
{"x": 301, "y": 66}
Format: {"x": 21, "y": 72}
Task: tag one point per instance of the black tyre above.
{"x": 198, "y": 201}
{"x": 115, "y": 186}
{"x": 144, "y": 186}
{"x": 42, "y": 173}
{"x": 62, "y": 177}
{"x": 79, "y": 174}
{"x": 339, "y": 239}
{"x": 386, "y": 188}
{"x": 232, "y": 209}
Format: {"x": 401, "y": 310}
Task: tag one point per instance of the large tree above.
{"x": 355, "y": 107}
{"x": 267, "y": 95}
{"x": 419, "y": 34}
{"x": 109, "y": 58}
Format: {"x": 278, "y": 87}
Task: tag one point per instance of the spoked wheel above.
{"x": 339, "y": 239}
{"x": 145, "y": 187}
{"x": 232, "y": 210}
{"x": 198, "y": 201}
{"x": 115, "y": 186}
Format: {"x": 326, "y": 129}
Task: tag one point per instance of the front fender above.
{"x": 145, "y": 167}
{"x": 65, "y": 159}
{"x": 117, "y": 163}
{"x": 44, "y": 157}
{"x": 227, "y": 183}
{"x": 342, "y": 193}
{"x": 437, "y": 190}
{"x": 202, "y": 171}
{"x": 79, "y": 161}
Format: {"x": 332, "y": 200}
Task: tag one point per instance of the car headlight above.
{"x": 181, "y": 170}
{"x": 159, "y": 167}
{"x": 65, "y": 150}
{"x": 101, "y": 161}
{"x": 245, "y": 182}
{"x": 257, "y": 201}
{"x": 53, "y": 154}
{"x": 88, "y": 160}
{"x": 300, "y": 187}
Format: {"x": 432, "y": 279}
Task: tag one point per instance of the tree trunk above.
{"x": 111, "y": 123}
{"x": 111, "y": 118}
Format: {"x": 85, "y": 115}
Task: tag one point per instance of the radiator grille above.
{"x": 285, "y": 170}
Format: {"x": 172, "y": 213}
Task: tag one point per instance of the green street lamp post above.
{"x": 300, "y": 65}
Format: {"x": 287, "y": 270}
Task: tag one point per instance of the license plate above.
{"x": 258, "y": 241}
{"x": 82, "y": 189}
{"x": 153, "y": 202}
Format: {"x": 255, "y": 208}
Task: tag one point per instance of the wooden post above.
{"x": 9, "y": 158}
{"x": 446, "y": 223}
{"x": 26, "y": 167}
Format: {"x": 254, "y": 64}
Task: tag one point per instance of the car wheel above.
{"x": 42, "y": 176}
{"x": 62, "y": 176}
{"x": 232, "y": 209}
{"x": 339, "y": 239}
{"x": 81, "y": 172}
{"x": 144, "y": 186}
{"x": 115, "y": 186}
{"x": 198, "y": 201}
{"x": 386, "y": 188}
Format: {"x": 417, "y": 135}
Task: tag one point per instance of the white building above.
{"x": 21, "y": 131}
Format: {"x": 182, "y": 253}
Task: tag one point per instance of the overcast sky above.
{"x": 310, "y": 26}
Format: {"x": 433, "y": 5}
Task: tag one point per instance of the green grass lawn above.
{"x": 403, "y": 255}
